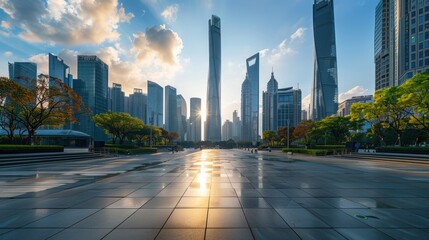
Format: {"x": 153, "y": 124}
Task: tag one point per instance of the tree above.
{"x": 171, "y": 136}
{"x": 303, "y": 130}
{"x": 415, "y": 98}
{"x": 39, "y": 104}
{"x": 337, "y": 127}
{"x": 269, "y": 136}
{"x": 120, "y": 125}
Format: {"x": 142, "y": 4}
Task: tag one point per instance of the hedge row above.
{"x": 6, "y": 149}
{"x": 314, "y": 152}
{"x": 131, "y": 151}
{"x": 413, "y": 150}
{"x": 337, "y": 147}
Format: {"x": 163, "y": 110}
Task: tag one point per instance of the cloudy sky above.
{"x": 167, "y": 41}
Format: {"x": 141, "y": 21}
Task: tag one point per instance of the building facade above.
{"x": 116, "y": 98}
{"x": 155, "y": 104}
{"x": 182, "y": 115}
{"x": 324, "y": 92}
{"x": 269, "y": 105}
{"x": 59, "y": 70}
{"x": 92, "y": 86}
{"x": 344, "y": 107}
{"x": 213, "y": 115}
{"x": 382, "y": 34}
{"x": 236, "y": 126}
{"x": 170, "y": 108}
{"x": 137, "y": 104}
{"x": 24, "y": 73}
{"x": 194, "y": 125}
{"x": 227, "y": 130}
{"x": 289, "y": 107}
{"x": 250, "y": 101}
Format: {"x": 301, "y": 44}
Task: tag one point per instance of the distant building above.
{"x": 182, "y": 115}
{"x": 269, "y": 105}
{"x": 59, "y": 70}
{"x": 92, "y": 86}
{"x": 303, "y": 115}
{"x": 170, "y": 108}
{"x": 344, "y": 107}
{"x": 250, "y": 101}
{"x": 324, "y": 92}
{"x": 155, "y": 102}
{"x": 194, "y": 125}
{"x": 117, "y": 98}
{"x": 236, "y": 126}
{"x": 213, "y": 115}
{"x": 383, "y": 77}
{"x": 137, "y": 104}
{"x": 24, "y": 73}
{"x": 227, "y": 130}
{"x": 289, "y": 107}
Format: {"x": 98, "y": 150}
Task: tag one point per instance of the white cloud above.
{"x": 5, "y": 24}
{"x": 306, "y": 102}
{"x": 355, "y": 91}
{"x": 157, "y": 46}
{"x": 280, "y": 51}
{"x": 68, "y": 22}
{"x": 42, "y": 61}
{"x": 264, "y": 52}
{"x": 170, "y": 13}
{"x": 299, "y": 33}
{"x": 8, "y": 54}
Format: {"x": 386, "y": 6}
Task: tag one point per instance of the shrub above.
{"x": 329, "y": 147}
{"x": 413, "y": 150}
{"x": 314, "y": 152}
{"x": 133, "y": 151}
{"x": 5, "y": 149}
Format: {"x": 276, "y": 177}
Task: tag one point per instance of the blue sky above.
{"x": 167, "y": 41}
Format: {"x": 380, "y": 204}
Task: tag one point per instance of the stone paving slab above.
{"x": 222, "y": 194}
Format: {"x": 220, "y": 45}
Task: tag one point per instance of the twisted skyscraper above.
{"x": 324, "y": 93}
{"x": 213, "y": 118}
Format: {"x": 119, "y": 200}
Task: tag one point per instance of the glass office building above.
{"x": 58, "y": 69}
{"x": 24, "y": 73}
{"x": 92, "y": 86}
{"x": 170, "y": 108}
{"x": 155, "y": 104}
{"x": 182, "y": 116}
{"x": 269, "y": 105}
{"x": 194, "y": 126}
{"x": 213, "y": 115}
{"x": 324, "y": 92}
{"x": 116, "y": 98}
{"x": 289, "y": 107}
{"x": 137, "y": 104}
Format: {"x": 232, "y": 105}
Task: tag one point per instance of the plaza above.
{"x": 215, "y": 194}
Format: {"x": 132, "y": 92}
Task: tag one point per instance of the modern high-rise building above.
{"x": 236, "y": 126}
{"x": 289, "y": 107}
{"x": 59, "y": 70}
{"x": 401, "y": 41}
{"x": 269, "y": 105}
{"x": 182, "y": 115}
{"x": 383, "y": 77}
{"x": 24, "y": 73}
{"x": 155, "y": 104}
{"x": 92, "y": 86}
{"x": 250, "y": 101}
{"x": 137, "y": 104}
{"x": 303, "y": 115}
{"x": 227, "y": 130}
{"x": 345, "y": 106}
{"x": 117, "y": 98}
{"x": 194, "y": 125}
{"x": 170, "y": 108}
{"x": 324, "y": 92}
{"x": 213, "y": 115}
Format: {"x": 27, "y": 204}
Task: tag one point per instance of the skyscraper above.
{"x": 182, "y": 115}
{"x": 58, "y": 69}
{"x": 24, "y": 73}
{"x": 213, "y": 118}
{"x": 382, "y": 33}
{"x": 194, "y": 129}
{"x": 269, "y": 105}
{"x": 236, "y": 126}
{"x": 155, "y": 102}
{"x": 170, "y": 108}
{"x": 92, "y": 86}
{"x": 289, "y": 107}
{"x": 250, "y": 101}
{"x": 227, "y": 130}
{"x": 137, "y": 104}
{"x": 117, "y": 98}
{"x": 324, "y": 92}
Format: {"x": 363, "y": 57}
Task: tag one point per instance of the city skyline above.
{"x": 286, "y": 45}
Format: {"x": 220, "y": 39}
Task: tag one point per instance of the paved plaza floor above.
{"x": 215, "y": 194}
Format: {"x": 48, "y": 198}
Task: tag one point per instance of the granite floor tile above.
{"x": 129, "y": 203}
{"x": 274, "y": 234}
{"x": 229, "y": 234}
{"x": 147, "y": 218}
{"x": 29, "y": 234}
{"x": 80, "y": 234}
{"x": 226, "y": 218}
{"x": 363, "y": 234}
{"x": 301, "y": 218}
{"x": 162, "y": 202}
{"x": 63, "y": 219}
{"x": 181, "y": 234}
{"x": 264, "y": 218}
{"x": 317, "y": 234}
{"x": 105, "y": 218}
{"x": 132, "y": 234}
{"x": 187, "y": 218}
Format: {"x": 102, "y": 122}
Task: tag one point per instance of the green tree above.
{"x": 120, "y": 125}
{"x": 336, "y": 127}
{"x": 39, "y": 104}
{"x": 269, "y": 136}
{"x": 303, "y": 130}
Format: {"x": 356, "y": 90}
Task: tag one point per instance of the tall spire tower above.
{"x": 213, "y": 117}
